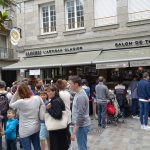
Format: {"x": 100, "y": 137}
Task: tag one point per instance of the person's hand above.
{"x": 48, "y": 106}
{"x": 72, "y": 137}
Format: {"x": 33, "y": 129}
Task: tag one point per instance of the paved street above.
{"x": 124, "y": 136}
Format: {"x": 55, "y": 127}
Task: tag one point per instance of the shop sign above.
{"x": 137, "y": 43}
{"x": 53, "y": 51}
{"x": 140, "y": 63}
{"x": 112, "y": 65}
{"x": 34, "y": 72}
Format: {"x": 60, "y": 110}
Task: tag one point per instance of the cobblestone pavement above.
{"x": 124, "y": 136}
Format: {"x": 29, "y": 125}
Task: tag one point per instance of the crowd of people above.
{"x": 27, "y": 107}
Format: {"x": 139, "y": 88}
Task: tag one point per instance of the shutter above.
{"x": 138, "y": 9}
{"x": 105, "y": 12}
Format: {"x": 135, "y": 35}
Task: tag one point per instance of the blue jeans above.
{"x": 135, "y": 102}
{"x": 34, "y": 139}
{"x": 144, "y": 111}
{"x": 11, "y": 144}
{"x": 82, "y": 137}
{"x": 102, "y": 108}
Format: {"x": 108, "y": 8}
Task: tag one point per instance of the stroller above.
{"x": 114, "y": 115}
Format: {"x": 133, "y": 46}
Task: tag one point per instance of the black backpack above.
{"x": 4, "y": 103}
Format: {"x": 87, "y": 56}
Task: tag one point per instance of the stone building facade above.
{"x": 8, "y": 54}
{"x": 115, "y": 31}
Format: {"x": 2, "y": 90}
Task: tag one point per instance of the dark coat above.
{"x": 58, "y": 138}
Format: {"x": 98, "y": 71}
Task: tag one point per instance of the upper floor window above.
{"x": 48, "y": 18}
{"x": 138, "y": 9}
{"x": 74, "y": 14}
{"x": 3, "y": 41}
{"x": 105, "y": 12}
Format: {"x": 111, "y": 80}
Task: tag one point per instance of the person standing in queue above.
{"x": 102, "y": 96}
{"x": 144, "y": 99}
{"x": 80, "y": 113}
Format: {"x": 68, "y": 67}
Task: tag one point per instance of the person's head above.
{"x": 38, "y": 87}
{"x": 146, "y": 75}
{"x": 2, "y": 84}
{"x": 84, "y": 82}
{"x": 101, "y": 79}
{"x": 61, "y": 84}
{"x": 135, "y": 76}
{"x": 44, "y": 95}
{"x": 75, "y": 83}
{"x": 11, "y": 114}
{"x": 24, "y": 91}
{"x": 51, "y": 91}
{"x": 40, "y": 81}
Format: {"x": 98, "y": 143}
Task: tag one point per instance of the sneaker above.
{"x": 135, "y": 117}
{"x": 142, "y": 126}
{"x": 146, "y": 127}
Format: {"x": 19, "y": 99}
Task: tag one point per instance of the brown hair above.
{"x": 61, "y": 84}
{"x": 24, "y": 91}
{"x": 11, "y": 111}
{"x": 52, "y": 88}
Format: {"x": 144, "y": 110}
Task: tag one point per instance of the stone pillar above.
{"x": 122, "y": 11}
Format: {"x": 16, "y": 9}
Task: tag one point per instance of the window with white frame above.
{"x": 138, "y": 10}
{"x": 48, "y": 18}
{"x": 74, "y": 14}
{"x": 105, "y": 12}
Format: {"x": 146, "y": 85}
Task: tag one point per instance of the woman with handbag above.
{"x": 66, "y": 97}
{"x": 31, "y": 110}
{"x": 57, "y": 133}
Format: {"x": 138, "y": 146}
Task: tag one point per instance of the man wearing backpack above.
{"x": 4, "y": 103}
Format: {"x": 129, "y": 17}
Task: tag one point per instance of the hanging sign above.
{"x": 14, "y": 36}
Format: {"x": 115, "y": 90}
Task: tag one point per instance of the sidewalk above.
{"x": 124, "y": 136}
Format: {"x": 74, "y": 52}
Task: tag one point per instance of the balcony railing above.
{"x": 6, "y": 53}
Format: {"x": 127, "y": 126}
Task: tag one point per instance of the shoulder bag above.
{"x": 55, "y": 124}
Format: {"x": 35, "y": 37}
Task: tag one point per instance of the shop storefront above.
{"x": 113, "y": 60}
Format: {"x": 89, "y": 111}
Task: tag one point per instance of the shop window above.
{"x": 138, "y": 10}
{"x": 105, "y": 12}
{"x": 48, "y": 18}
{"x": 74, "y": 14}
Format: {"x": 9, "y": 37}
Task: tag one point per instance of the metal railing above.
{"x": 6, "y": 53}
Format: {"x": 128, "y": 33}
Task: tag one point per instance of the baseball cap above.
{"x": 2, "y": 84}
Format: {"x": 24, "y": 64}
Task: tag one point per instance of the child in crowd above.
{"x": 10, "y": 132}
{"x": 43, "y": 131}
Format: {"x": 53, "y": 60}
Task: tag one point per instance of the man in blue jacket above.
{"x": 144, "y": 99}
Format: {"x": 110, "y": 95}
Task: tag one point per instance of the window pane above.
{"x": 105, "y": 12}
{"x": 53, "y": 18}
{"x": 71, "y": 14}
{"x": 79, "y": 13}
{"x": 45, "y": 19}
{"x": 48, "y": 18}
{"x": 138, "y": 9}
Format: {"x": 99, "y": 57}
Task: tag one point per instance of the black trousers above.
{"x": 11, "y": 144}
